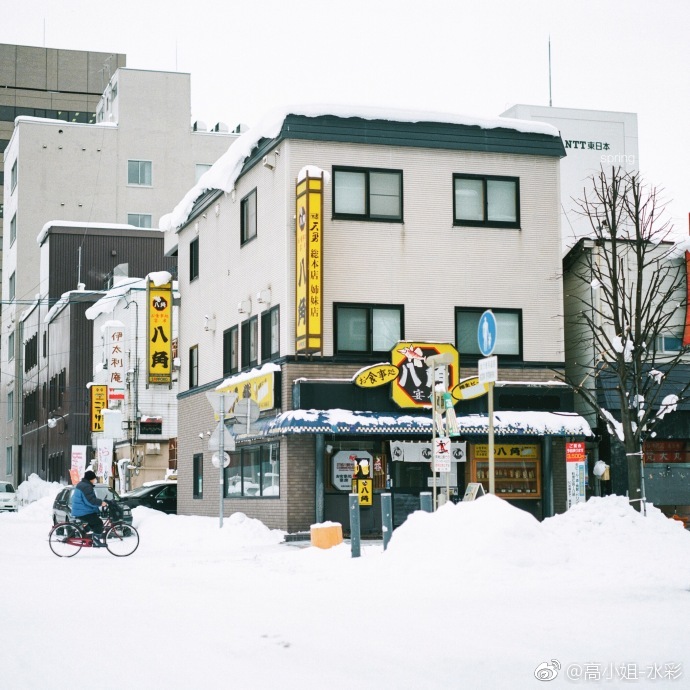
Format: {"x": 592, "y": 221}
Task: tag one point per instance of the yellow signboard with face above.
{"x": 260, "y": 389}
{"x": 99, "y": 400}
{"x": 159, "y": 350}
{"x": 412, "y": 387}
{"x": 309, "y": 266}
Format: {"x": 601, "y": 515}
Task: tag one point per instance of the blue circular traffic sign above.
{"x": 486, "y": 333}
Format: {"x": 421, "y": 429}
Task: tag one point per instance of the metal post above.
{"x": 386, "y": 519}
{"x": 354, "y": 526}
{"x": 433, "y": 432}
{"x": 547, "y": 464}
{"x": 320, "y": 449}
{"x": 425, "y": 502}
{"x": 221, "y": 455}
{"x": 492, "y": 464}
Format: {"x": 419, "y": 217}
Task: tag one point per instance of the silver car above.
{"x": 8, "y": 497}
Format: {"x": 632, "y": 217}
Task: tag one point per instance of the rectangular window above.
{"x": 193, "y": 366}
{"x": 230, "y": 351}
{"x": 486, "y": 201}
{"x": 8, "y": 460}
{"x": 139, "y": 220}
{"x": 248, "y": 217}
{"x": 10, "y": 347}
{"x": 508, "y": 332}
{"x": 362, "y": 194}
{"x": 367, "y": 329}
{"x": 12, "y": 287}
{"x": 254, "y": 472}
{"x": 10, "y": 406}
{"x": 139, "y": 173}
{"x": 270, "y": 334}
{"x": 669, "y": 344}
{"x": 198, "y": 469}
{"x": 193, "y": 259}
{"x": 13, "y": 229}
{"x": 13, "y": 177}
{"x": 250, "y": 342}
{"x": 31, "y": 352}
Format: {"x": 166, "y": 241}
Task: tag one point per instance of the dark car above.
{"x": 159, "y": 496}
{"x": 62, "y": 506}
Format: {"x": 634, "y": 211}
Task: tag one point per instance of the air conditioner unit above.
{"x": 153, "y": 449}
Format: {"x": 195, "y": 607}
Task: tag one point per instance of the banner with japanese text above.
{"x": 98, "y": 395}
{"x": 308, "y": 265}
{"x": 159, "y": 341}
{"x": 115, "y": 358}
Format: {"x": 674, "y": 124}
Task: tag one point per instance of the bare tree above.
{"x": 625, "y": 293}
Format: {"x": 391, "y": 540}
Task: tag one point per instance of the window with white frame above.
{"x": 10, "y": 347}
{"x": 486, "y": 201}
{"x": 139, "y": 173}
{"x": 13, "y": 229}
{"x": 13, "y": 177}
{"x": 8, "y": 460}
{"x": 12, "y": 286}
{"x": 140, "y": 220}
{"x": 10, "y": 406}
{"x": 367, "y": 194}
{"x": 508, "y": 332}
{"x": 669, "y": 343}
{"x": 367, "y": 329}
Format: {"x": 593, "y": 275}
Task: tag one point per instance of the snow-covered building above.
{"x": 592, "y": 345}
{"x": 128, "y": 168}
{"x": 52, "y": 372}
{"x": 593, "y": 139}
{"x": 330, "y": 250}
{"x": 142, "y": 423}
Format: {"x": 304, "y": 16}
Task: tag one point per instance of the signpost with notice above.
{"x": 487, "y": 368}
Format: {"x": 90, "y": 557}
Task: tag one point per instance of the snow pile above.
{"x": 35, "y": 488}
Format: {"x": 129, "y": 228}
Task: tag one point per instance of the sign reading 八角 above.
{"x": 413, "y": 385}
{"x": 159, "y": 345}
{"x": 308, "y": 265}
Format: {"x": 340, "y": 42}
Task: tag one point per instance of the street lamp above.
{"x": 53, "y": 422}
{"x": 435, "y": 361}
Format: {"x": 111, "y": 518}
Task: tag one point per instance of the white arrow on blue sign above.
{"x": 486, "y": 333}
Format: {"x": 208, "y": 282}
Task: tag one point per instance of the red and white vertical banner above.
{"x": 104, "y": 458}
{"x": 77, "y": 464}
{"x": 575, "y": 466}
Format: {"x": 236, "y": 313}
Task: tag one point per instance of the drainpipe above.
{"x": 320, "y": 452}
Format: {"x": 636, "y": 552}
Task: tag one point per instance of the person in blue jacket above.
{"x": 86, "y": 505}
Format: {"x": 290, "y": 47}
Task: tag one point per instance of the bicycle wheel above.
{"x": 66, "y": 539}
{"x": 122, "y": 539}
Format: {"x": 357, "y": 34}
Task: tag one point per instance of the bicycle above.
{"x": 67, "y": 539}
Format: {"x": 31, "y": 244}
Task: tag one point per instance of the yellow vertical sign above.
{"x": 308, "y": 265}
{"x": 99, "y": 399}
{"x": 159, "y": 316}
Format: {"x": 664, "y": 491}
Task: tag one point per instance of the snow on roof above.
{"x": 224, "y": 173}
{"x": 64, "y": 300}
{"x": 246, "y": 376}
{"x": 86, "y": 225}
{"x": 506, "y": 423}
{"x": 107, "y": 303}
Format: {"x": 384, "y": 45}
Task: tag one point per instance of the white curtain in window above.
{"x": 501, "y": 195}
{"x": 469, "y": 199}
{"x": 350, "y": 192}
{"x": 386, "y": 329}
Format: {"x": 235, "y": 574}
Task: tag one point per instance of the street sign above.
{"x": 469, "y": 388}
{"x": 221, "y": 402}
{"x": 486, "y": 333}
{"x": 246, "y": 412}
{"x": 442, "y": 454}
{"x": 228, "y": 438}
{"x": 488, "y": 370}
{"x": 215, "y": 460}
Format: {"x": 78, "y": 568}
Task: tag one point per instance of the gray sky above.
{"x": 443, "y": 55}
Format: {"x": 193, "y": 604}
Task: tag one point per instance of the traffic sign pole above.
{"x": 487, "y": 333}
{"x": 492, "y": 463}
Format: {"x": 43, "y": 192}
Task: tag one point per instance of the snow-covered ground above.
{"x": 478, "y": 595}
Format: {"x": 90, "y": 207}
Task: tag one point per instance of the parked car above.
{"x": 8, "y": 497}
{"x": 62, "y": 506}
{"x": 157, "y": 495}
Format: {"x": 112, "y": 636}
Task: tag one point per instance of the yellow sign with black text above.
{"x": 159, "y": 350}
{"x": 99, "y": 399}
{"x": 365, "y": 491}
{"x": 309, "y": 266}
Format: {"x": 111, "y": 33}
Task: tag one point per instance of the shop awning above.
{"x": 509, "y": 423}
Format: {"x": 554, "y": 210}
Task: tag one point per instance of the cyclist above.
{"x": 85, "y": 506}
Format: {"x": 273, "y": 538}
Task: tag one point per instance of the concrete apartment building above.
{"x": 50, "y": 83}
{"x": 415, "y": 228}
{"x": 128, "y": 167}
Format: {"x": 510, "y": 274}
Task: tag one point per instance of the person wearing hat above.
{"x": 85, "y": 506}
